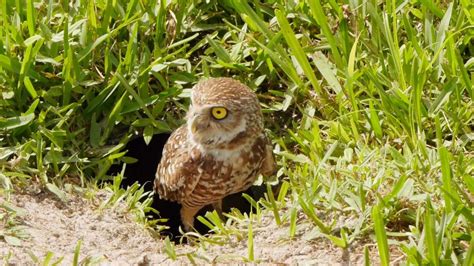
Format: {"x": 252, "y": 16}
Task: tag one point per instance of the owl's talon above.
{"x": 187, "y": 228}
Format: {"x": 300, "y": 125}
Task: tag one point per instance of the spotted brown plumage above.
{"x": 220, "y": 150}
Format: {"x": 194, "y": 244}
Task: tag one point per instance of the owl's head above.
{"x": 223, "y": 111}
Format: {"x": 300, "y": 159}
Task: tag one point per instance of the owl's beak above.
{"x": 194, "y": 127}
{"x": 197, "y": 124}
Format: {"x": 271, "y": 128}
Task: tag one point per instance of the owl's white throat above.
{"x": 215, "y": 144}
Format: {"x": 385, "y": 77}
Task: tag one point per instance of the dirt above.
{"x": 111, "y": 236}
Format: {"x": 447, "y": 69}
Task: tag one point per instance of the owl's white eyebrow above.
{"x": 207, "y": 106}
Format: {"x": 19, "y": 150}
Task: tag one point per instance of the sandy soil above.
{"x": 111, "y": 237}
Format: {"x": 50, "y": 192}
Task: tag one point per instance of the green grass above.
{"x": 370, "y": 105}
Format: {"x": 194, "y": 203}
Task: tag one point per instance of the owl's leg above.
{"x": 187, "y": 217}
{"x": 218, "y": 207}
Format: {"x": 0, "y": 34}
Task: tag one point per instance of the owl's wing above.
{"x": 176, "y": 176}
{"x": 269, "y": 165}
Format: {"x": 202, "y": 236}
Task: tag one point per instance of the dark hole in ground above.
{"x": 143, "y": 171}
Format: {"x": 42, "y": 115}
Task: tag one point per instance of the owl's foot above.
{"x": 187, "y": 217}
{"x": 218, "y": 207}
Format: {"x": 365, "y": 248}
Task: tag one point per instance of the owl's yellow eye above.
{"x": 219, "y": 113}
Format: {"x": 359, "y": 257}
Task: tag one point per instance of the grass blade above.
{"x": 298, "y": 51}
{"x": 250, "y": 243}
{"x": 30, "y": 17}
{"x": 321, "y": 19}
{"x": 430, "y": 235}
{"x": 77, "y": 251}
{"x": 446, "y": 177}
{"x": 381, "y": 235}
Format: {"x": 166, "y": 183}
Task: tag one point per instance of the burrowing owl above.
{"x": 220, "y": 150}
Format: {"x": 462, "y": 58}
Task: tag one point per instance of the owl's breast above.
{"x": 222, "y": 174}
